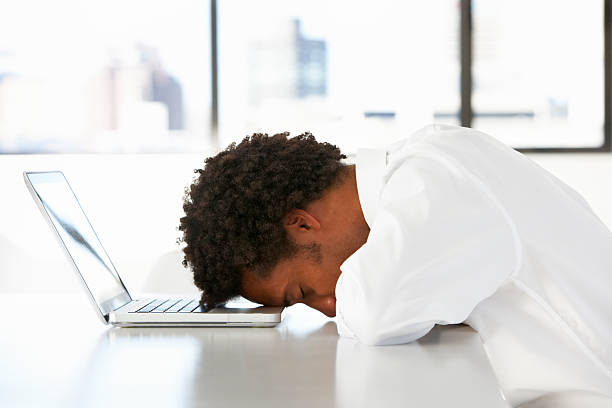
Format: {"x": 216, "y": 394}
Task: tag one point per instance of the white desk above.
{"x": 54, "y": 357}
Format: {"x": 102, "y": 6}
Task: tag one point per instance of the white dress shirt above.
{"x": 464, "y": 229}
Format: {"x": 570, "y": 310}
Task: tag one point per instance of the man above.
{"x": 446, "y": 226}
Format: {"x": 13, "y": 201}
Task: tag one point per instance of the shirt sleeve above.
{"x": 440, "y": 244}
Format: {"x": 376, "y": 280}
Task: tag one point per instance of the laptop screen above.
{"x": 79, "y": 239}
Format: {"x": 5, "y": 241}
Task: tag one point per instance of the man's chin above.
{"x": 330, "y": 308}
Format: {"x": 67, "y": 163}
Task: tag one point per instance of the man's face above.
{"x": 300, "y": 279}
{"x": 326, "y": 233}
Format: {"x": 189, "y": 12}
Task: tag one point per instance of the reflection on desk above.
{"x": 300, "y": 363}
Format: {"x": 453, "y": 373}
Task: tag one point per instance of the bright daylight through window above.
{"x": 136, "y": 76}
{"x": 538, "y": 72}
{"x": 352, "y": 72}
{"x": 104, "y": 76}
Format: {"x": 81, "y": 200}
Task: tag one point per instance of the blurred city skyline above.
{"x": 135, "y": 77}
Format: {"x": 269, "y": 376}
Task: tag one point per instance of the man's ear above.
{"x": 300, "y": 224}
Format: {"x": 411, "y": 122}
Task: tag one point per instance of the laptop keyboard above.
{"x": 163, "y": 306}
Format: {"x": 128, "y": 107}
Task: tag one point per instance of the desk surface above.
{"x": 55, "y": 352}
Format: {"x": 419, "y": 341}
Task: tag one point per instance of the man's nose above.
{"x": 324, "y": 304}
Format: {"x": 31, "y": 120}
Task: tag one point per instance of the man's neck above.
{"x": 339, "y": 212}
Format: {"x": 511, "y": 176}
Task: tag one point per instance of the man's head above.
{"x": 260, "y": 221}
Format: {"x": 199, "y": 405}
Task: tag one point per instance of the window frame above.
{"x": 467, "y": 113}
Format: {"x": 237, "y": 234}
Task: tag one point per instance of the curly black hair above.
{"x": 235, "y": 207}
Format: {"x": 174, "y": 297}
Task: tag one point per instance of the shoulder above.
{"x": 445, "y": 134}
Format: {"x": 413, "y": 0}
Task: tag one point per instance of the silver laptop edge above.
{"x": 106, "y": 291}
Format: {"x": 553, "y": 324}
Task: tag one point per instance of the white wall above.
{"x": 134, "y": 203}
{"x": 589, "y": 173}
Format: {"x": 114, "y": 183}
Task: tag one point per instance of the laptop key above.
{"x": 178, "y": 306}
{"x": 199, "y": 309}
{"x": 135, "y": 305}
{"x": 165, "y": 306}
{"x": 190, "y": 306}
{"x": 152, "y": 306}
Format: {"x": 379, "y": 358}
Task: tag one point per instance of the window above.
{"x": 137, "y": 76}
{"x": 352, "y": 72}
{"x": 538, "y": 72}
{"x": 104, "y": 76}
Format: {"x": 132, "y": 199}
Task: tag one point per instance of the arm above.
{"x": 439, "y": 245}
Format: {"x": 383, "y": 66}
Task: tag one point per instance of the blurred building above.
{"x": 137, "y": 94}
{"x": 163, "y": 87}
{"x": 311, "y": 64}
{"x": 285, "y": 64}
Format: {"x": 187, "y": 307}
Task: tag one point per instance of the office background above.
{"x": 128, "y": 97}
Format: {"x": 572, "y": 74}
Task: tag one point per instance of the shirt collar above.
{"x": 370, "y": 169}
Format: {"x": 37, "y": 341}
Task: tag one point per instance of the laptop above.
{"x": 105, "y": 289}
